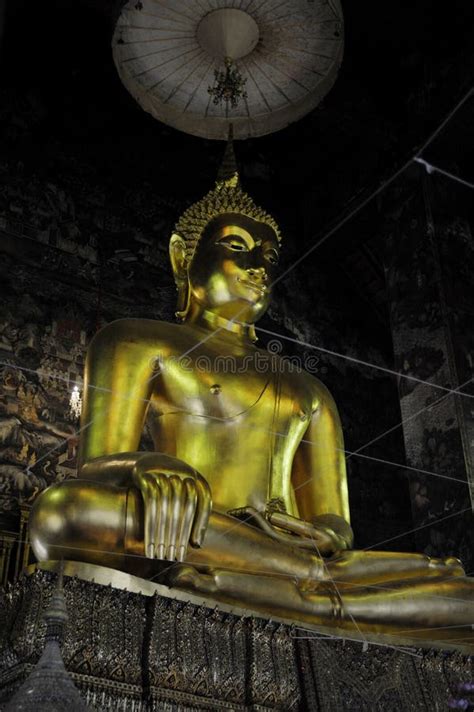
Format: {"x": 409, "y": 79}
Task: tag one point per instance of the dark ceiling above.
{"x": 406, "y": 65}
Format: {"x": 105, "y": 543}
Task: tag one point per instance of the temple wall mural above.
{"x": 430, "y": 291}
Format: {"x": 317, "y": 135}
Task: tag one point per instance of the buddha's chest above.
{"x": 235, "y": 419}
{"x": 225, "y": 386}
{"x": 215, "y": 385}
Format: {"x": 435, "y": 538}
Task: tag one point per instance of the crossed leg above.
{"x": 242, "y": 565}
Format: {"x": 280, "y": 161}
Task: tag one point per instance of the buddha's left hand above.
{"x": 327, "y": 532}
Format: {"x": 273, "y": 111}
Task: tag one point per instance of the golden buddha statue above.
{"x": 244, "y": 499}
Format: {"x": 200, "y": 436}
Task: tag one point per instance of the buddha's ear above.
{"x": 178, "y": 258}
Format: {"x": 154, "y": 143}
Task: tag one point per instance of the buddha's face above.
{"x": 234, "y": 266}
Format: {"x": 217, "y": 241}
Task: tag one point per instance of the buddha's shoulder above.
{"x": 138, "y": 331}
{"x": 316, "y": 392}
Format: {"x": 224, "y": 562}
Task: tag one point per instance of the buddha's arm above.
{"x": 319, "y": 473}
{"x": 117, "y": 387}
{"x": 119, "y": 374}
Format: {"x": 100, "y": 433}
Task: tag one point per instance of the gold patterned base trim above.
{"x": 106, "y": 576}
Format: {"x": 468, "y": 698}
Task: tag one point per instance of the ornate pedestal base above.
{"x": 139, "y": 652}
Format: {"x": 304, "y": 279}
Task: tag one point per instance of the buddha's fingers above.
{"x": 188, "y": 518}
{"x": 291, "y": 524}
{"x": 150, "y": 493}
{"x": 320, "y": 537}
{"x": 176, "y": 513}
{"x": 203, "y": 511}
{"x": 163, "y": 514}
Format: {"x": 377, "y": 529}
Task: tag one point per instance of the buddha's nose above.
{"x": 258, "y": 274}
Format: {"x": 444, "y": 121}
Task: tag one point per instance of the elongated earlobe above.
{"x": 177, "y": 251}
{"x": 179, "y": 265}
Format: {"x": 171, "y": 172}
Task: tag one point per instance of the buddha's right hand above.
{"x": 177, "y": 504}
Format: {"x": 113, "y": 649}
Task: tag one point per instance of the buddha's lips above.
{"x": 261, "y": 288}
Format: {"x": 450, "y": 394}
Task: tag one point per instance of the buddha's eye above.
{"x": 272, "y": 256}
{"x": 234, "y": 243}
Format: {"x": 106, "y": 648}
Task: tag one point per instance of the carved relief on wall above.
{"x": 37, "y": 441}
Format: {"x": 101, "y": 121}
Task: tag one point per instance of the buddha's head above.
{"x": 224, "y": 253}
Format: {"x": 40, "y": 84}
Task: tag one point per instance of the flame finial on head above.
{"x": 228, "y": 173}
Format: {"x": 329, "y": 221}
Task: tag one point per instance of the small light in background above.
{"x": 75, "y": 404}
